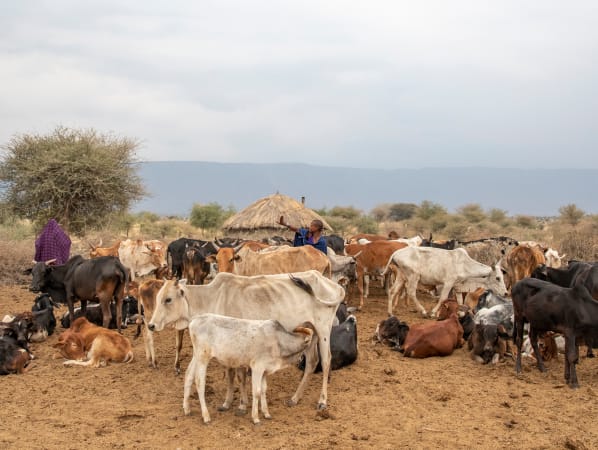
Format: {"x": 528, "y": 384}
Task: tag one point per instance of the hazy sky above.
{"x": 378, "y": 84}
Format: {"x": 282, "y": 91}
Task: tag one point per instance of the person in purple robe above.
{"x": 52, "y": 244}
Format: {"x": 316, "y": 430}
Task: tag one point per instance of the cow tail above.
{"x": 302, "y": 284}
{"x": 328, "y": 270}
{"x": 128, "y": 357}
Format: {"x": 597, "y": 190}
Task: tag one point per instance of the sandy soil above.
{"x": 382, "y": 401}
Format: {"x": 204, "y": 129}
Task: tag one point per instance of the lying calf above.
{"x": 392, "y": 332}
{"x": 99, "y": 344}
{"x": 13, "y": 357}
{"x": 488, "y": 343}
{"x": 262, "y": 345}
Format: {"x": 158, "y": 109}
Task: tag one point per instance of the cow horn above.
{"x": 100, "y": 243}
{"x": 50, "y": 261}
{"x": 91, "y": 245}
{"x": 218, "y": 241}
{"x": 357, "y": 254}
{"x": 217, "y": 247}
{"x": 237, "y": 248}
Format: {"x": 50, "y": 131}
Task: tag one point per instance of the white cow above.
{"x": 142, "y": 257}
{"x": 288, "y": 298}
{"x": 431, "y": 266}
{"x": 495, "y": 281}
{"x": 264, "y": 346}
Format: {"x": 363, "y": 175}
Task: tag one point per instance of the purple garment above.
{"x": 52, "y": 243}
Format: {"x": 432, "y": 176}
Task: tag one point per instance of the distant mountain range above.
{"x": 176, "y": 186}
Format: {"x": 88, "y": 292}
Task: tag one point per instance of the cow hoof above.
{"x": 257, "y": 423}
{"x": 321, "y": 406}
{"x": 240, "y": 412}
{"x": 291, "y": 402}
{"x": 223, "y": 408}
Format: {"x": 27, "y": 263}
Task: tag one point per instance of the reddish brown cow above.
{"x": 371, "y": 259}
{"x": 438, "y": 338}
{"x": 521, "y": 262}
{"x": 225, "y": 258}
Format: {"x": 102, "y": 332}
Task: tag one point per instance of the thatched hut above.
{"x": 261, "y": 218}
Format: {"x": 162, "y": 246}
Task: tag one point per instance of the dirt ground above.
{"x": 382, "y": 401}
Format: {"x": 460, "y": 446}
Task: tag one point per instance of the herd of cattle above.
{"x": 263, "y": 305}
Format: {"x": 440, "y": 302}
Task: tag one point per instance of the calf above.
{"x": 438, "y": 338}
{"x": 43, "y": 314}
{"x": 488, "y": 343}
{"x": 497, "y": 315}
{"x": 548, "y": 307}
{"x": 488, "y": 299}
{"x": 392, "y": 332}
{"x": 99, "y": 344}
{"x": 147, "y": 297}
{"x": 450, "y": 306}
{"x": 262, "y": 345}
{"x": 13, "y": 357}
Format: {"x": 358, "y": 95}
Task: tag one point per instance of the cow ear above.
{"x": 237, "y": 258}
{"x": 28, "y": 271}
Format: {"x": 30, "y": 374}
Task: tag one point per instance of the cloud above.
{"x": 385, "y": 84}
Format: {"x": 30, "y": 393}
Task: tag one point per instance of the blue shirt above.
{"x": 302, "y": 239}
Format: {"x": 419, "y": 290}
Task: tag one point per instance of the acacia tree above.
{"x": 79, "y": 177}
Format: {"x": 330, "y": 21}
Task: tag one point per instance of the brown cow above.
{"x": 371, "y": 259}
{"x": 273, "y": 260}
{"x": 147, "y": 297}
{"x": 438, "y": 338}
{"x": 521, "y": 262}
{"x": 97, "y": 251}
{"x": 225, "y": 256}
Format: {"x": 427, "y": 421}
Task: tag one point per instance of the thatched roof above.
{"x": 264, "y": 214}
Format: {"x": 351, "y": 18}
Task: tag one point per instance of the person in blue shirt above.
{"x": 308, "y": 236}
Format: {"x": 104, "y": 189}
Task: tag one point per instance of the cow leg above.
{"x": 179, "y": 346}
{"x": 412, "y": 281}
{"x": 150, "y": 351}
{"x": 444, "y": 293}
{"x": 244, "y": 401}
{"x": 533, "y": 339}
{"x": 518, "y": 332}
{"x": 189, "y": 377}
{"x": 360, "y": 282}
{"x": 257, "y": 373}
{"x": 571, "y": 359}
{"x": 200, "y": 382}
{"x": 394, "y": 292}
{"x": 230, "y": 381}
{"x": 119, "y": 312}
{"x": 366, "y": 285}
{"x": 106, "y": 314}
{"x": 263, "y": 400}
{"x": 311, "y": 361}
{"x": 83, "y": 308}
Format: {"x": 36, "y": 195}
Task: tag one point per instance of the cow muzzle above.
{"x": 151, "y": 327}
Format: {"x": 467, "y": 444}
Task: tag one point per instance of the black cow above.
{"x": 43, "y": 314}
{"x": 392, "y": 332}
{"x": 343, "y": 345}
{"x": 102, "y": 279}
{"x": 17, "y": 330}
{"x": 195, "y": 266}
{"x": 94, "y": 313}
{"x": 576, "y": 272}
{"x": 548, "y": 307}
{"x": 175, "y": 252}
{"x": 336, "y": 243}
{"x": 13, "y": 357}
